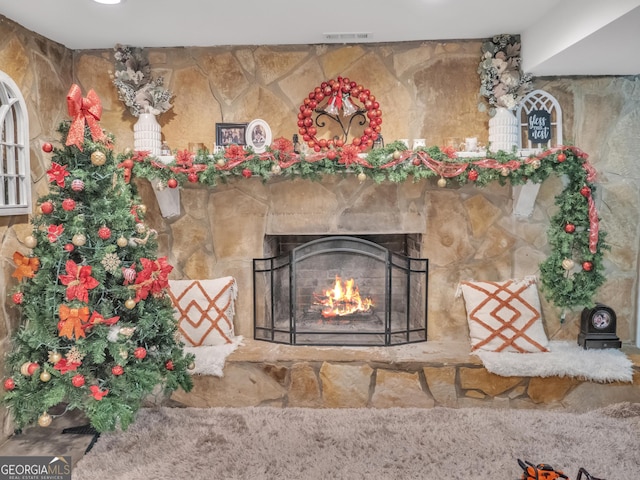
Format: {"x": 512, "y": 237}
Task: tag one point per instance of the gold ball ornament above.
{"x": 276, "y": 169}
{"x": 45, "y": 420}
{"x": 98, "y": 158}
{"x": 55, "y": 357}
{"x": 567, "y": 264}
{"x": 45, "y": 376}
{"x": 536, "y": 164}
{"x": 30, "y": 241}
{"x": 396, "y": 155}
{"x": 442, "y": 182}
{"x": 130, "y": 304}
{"x": 362, "y": 177}
{"x": 122, "y": 242}
{"x": 504, "y": 172}
{"x": 79, "y": 239}
{"x": 141, "y": 227}
{"x": 191, "y": 366}
{"x": 123, "y": 354}
{"x": 220, "y": 162}
{"x": 24, "y": 369}
{"x": 142, "y": 209}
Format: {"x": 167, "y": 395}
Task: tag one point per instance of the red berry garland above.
{"x": 332, "y": 96}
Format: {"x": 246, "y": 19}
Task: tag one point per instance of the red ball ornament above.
{"x": 585, "y": 191}
{"x": 9, "y": 384}
{"x": 569, "y": 228}
{"x": 140, "y": 353}
{"x": 77, "y": 380}
{"x": 104, "y": 233}
{"x": 69, "y": 247}
{"x": 33, "y": 366}
{"x": 117, "y": 370}
{"x": 46, "y": 207}
{"x": 246, "y": 173}
{"x": 193, "y": 177}
{"x": 587, "y": 266}
{"x": 561, "y": 157}
{"x": 172, "y": 183}
{"x": 169, "y": 365}
{"x": 68, "y": 204}
{"x": 416, "y": 162}
{"x": 77, "y": 185}
{"x": 473, "y": 175}
{"x": 47, "y": 147}
{"x": 17, "y": 298}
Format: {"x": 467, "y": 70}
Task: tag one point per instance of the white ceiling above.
{"x": 560, "y": 37}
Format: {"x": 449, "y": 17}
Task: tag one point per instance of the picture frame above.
{"x": 231, "y": 134}
{"x": 258, "y": 135}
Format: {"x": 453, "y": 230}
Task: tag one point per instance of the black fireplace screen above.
{"x": 340, "y": 291}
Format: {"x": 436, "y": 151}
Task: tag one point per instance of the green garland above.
{"x": 570, "y": 275}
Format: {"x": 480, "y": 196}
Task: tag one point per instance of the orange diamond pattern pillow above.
{"x": 204, "y": 310}
{"x": 504, "y": 316}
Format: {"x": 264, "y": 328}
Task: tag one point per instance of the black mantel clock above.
{"x": 598, "y": 328}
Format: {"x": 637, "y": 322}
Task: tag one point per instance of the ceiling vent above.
{"x": 347, "y": 36}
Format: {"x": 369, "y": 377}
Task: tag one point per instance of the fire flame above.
{"x": 343, "y": 299}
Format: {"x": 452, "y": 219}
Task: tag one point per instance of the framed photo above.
{"x": 231, "y": 134}
{"x": 258, "y": 135}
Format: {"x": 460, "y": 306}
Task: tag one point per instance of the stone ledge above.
{"x": 432, "y": 353}
{"x": 418, "y": 375}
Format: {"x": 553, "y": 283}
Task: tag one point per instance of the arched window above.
{"x": 15, "y": 171}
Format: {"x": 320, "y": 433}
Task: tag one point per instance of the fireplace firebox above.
{"x": 340, "y": 290}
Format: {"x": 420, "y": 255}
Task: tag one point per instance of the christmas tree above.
{"x": 97, "y": 331}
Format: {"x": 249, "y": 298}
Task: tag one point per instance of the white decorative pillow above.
{"x": 504, "y": 316}
{"x": 204, "y": 310}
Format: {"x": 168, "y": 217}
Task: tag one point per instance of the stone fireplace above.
{"x": 466, "y": 233}
{"x": 340, "y": 290}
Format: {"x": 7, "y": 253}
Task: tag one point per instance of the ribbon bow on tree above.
{"x": 71, "y": 321}
{"x": 25, "y": 266}
{"x": 83, "y": 110}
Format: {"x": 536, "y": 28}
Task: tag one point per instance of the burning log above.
{"x": 343, "y": 299}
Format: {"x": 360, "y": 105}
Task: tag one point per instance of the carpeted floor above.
{"x": 308, "y": 444}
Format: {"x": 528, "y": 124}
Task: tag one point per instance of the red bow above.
{"x": 83, "y": 110}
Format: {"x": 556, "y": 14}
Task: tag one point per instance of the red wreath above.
{"x": 340, "y": 96}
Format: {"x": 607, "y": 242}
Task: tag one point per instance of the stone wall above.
{"x": 43, "y": 71}
{"x": 426, "y": 90}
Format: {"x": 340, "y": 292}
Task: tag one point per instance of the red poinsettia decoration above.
{"x": 140, "y": 155}
{"x": 78, "y": 280}
{"x": 26, "y": 266}
{"x": 349, "y": 155}
{"x": 232, "y": 152}
{"x": 54, "y": 231}
{"x": 153, "y": 278}
{"x": 184, "y": 158}
{"x": 450, "y": 151}
{"x": 97, "y": 393}
{"x": 57, "y": 173}
{"x": 64, "y": 366}
{"x": 283, "y": 145}
{"x": 97, "y": 319}
{"x": 71, "y": 321}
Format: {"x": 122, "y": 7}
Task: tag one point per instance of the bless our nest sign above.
{"x": 539, "y": 126}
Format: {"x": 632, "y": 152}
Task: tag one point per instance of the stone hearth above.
{"x": 421, "y": 375}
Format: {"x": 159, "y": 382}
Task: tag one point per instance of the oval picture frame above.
{"x": 258, "y": 135}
